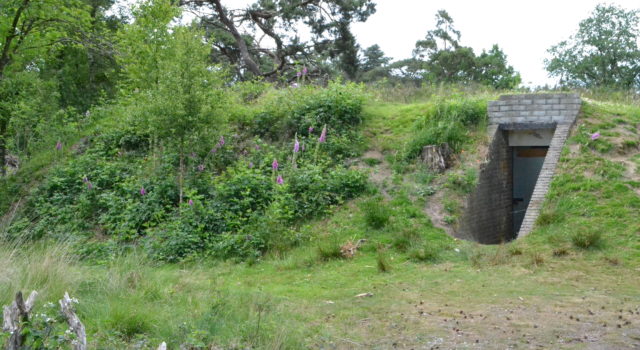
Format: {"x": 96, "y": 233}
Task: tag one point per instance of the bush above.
{"x": 313, "y": 190}
{"x": 376, "y": 213}
{"x": 405, "y": 240}
{"x": 587, "y": 239}
{"x": 382, "y": 261}
{"x": 237, "y": 210}
{"x": 329, "y": 250}
{"x": 295, "y": 110}
{"x": 452, "y": 133}
{"x": 447, "y": 121}
{"x": 428, "y": 252}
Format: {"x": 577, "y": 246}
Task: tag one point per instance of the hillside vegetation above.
{"x": 253, "y": 263}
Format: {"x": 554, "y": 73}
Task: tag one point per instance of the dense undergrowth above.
{"x": 280, "y": 160}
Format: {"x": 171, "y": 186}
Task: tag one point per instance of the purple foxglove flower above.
{"x": 250, "y": 165}
{"x": 299, "y": 74}
{"x": 201, "y": 167}
{"x": 85, "y": 179}
{"x": 274, "y": 165}
{"x": 595, "y": 136}
{"x": 143, "y": 192}
{"x": 280, "y": 180}
{"x": 191, "y": 202}
{"x": 58, "y": 146}
{"x": 214, "y": 149}
{"x": 310, "y": 129}
{"x": 221, "y": 142}
{"x": 304, "y": 70}
{"x": 89, "y": 185}
{"x": 323, "y": 135}
{"x": 296, "y": 147}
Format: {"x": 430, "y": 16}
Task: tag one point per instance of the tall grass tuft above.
{"x": 376, "y": 213}
{"x": 590, "y": 239}
{"x": 41, "y": 266}
{"x": 447, "y": 121}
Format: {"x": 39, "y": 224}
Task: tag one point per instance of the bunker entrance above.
{"x": 496, "y": 209}
{"x": 527, "y": 162}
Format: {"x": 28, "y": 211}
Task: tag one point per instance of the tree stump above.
{"x": 66, "y": 305}
{"x": 437, "y": 158}
{"x": 14, "y": 316}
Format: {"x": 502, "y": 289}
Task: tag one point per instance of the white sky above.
{"x": 524, "y": 30}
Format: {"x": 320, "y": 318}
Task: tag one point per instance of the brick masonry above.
{"x": 487, "y": 218}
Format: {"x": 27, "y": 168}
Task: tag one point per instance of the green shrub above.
{"x": 589, "y": 239}
{"x": 403, "y": 241}
{"x": 447, "y": 121}
{"x": 313, "y": 190}
{"x": 376, "y": 213}
{"x": 237, "y": 209}
{"x": 453, "y": 133}
{"x": 128, "y": 322}
{"x": 329, "y": 250}
{"x": 382, "y": 262}
{"x": 463, "y": 182}
{"x": 371, "y": 161}
{"x": 295, "y": 110}
{"x": 428, "y": 252}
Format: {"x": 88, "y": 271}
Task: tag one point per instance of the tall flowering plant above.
{"x": 321, "y": 139}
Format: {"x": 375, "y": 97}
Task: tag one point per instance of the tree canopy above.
{"x": 262, "y": 40}
{"x": 440, "y": 57}
{"x": 603, "y": 53}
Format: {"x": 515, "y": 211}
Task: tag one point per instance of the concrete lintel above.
{"x": 527, "y": 126}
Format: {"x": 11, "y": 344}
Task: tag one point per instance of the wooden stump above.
{"x": 14, "y": 316}
{"x": 66, "y": 305}
{"x": 437, "y": 158}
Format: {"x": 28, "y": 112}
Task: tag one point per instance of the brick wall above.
{"x": 534, "y": 108}
{"x": 487, "y": 218}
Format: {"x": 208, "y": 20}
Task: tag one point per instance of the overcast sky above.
{"x": 523, "y": 29}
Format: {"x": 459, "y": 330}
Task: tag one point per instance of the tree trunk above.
{"x": 3, "y": 151}
{"x": 249, "y": 63}
{"x": 181, "y": 171}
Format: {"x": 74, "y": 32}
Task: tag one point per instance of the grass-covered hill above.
{"x": 342, "y": 244}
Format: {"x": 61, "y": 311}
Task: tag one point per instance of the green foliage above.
{"x": 371, "y": 161}
{"x": 295, "y": 110}
{"x": 331, "y": 45}
{"x": 376, "y": 213}
{"x": 329, "y": 250}
{"x": 449, "y": 62}
{"x": 232, "y": 209}
{"x": 588, "y": 239}
{"x": 464, "y": 182}
{"x": 382, "y": 261}
{"x": 46, "y": 329}
{"x": 428, "y": 252}
{"x": 314, "y": 189}
{"x": 603, "y": 53}
{"x": 448, "y": 121}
